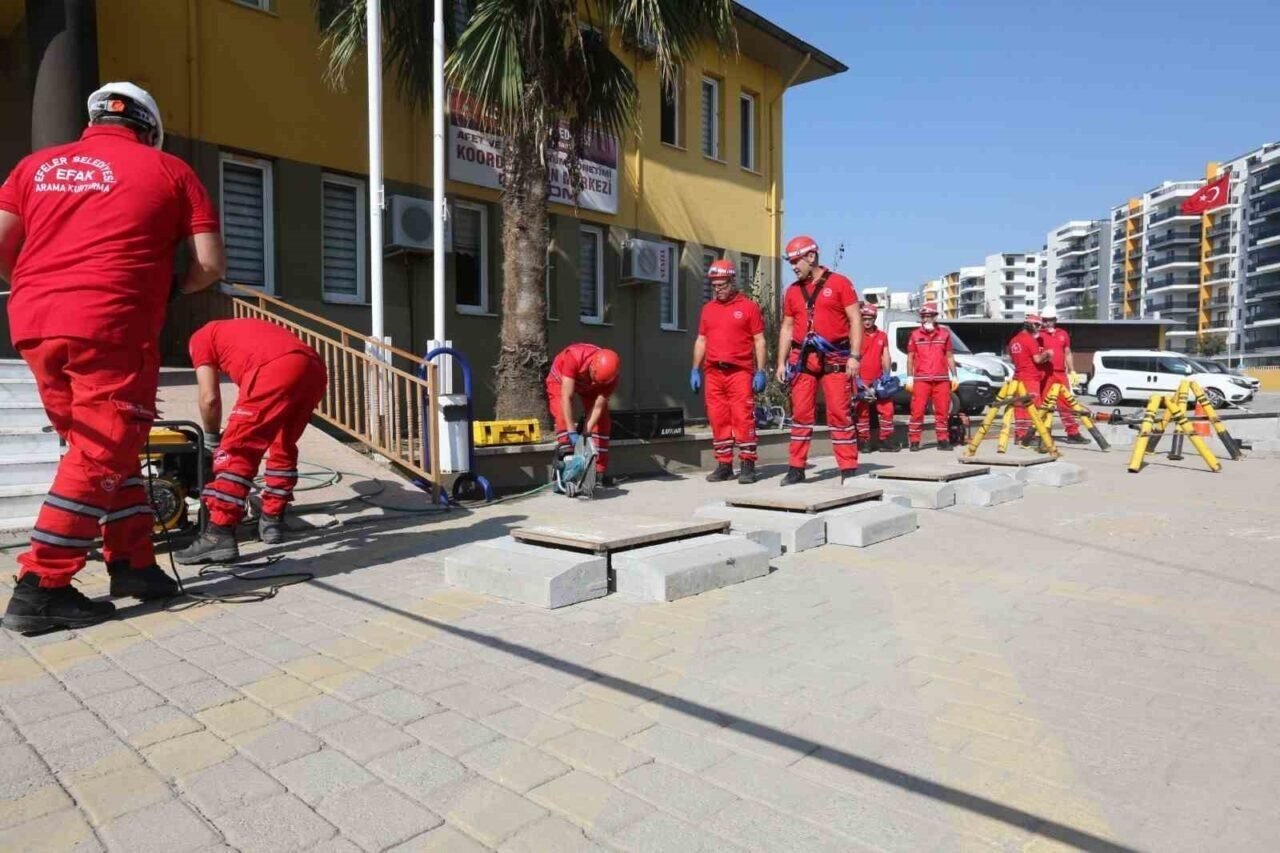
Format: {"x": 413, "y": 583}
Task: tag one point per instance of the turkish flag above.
{"x": 1210, "y": 197}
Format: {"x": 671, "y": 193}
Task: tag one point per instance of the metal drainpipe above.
{"x": 64, "y": 69}
{"x": 775, "y": 189}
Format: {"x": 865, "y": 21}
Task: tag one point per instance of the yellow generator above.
{"x": 175, "y": 467}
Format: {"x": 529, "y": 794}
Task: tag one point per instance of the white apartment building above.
{"x": 1012, "y": 284}
{"x": 878, "y": 295}
{"x": 972, "y": 291}
{"x": 1073, "y": 268}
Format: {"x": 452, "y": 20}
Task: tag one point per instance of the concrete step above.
{"x": 19, "y": 390}
{"x": 14, "y": 368}
{"x": 1059, "y": 474}
{"x": 21, "y": 500}
{"x": 17, "y": 441}
{"x": 28, "y": 468}
{"x": 866, "y": 524}
{"x": 923, "y": 494}
{"x": 988, "y": 490}
{"x": 22, "y": 413}
{"x": 532, "y": 574}
{"x": 675, "y": 570}
{"x": 799, "y": 531}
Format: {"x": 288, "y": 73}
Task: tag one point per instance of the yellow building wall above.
{"x": 254, "y": 82}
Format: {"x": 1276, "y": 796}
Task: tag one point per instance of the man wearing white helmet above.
{"x": 1057, "y": 370}
{"x": 88, "y": 236}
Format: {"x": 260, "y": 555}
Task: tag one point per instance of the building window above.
{"x": 248, "y": 223}
{"x": 553, "y": 306}
{"x": 1008, "y": 276}
{"x": 470, "y": 258}
{"x": 711, "y": 117}
{"x": 669, "y": 294}
{"x": 590, "y": 274}
{"x": 747, "y": 271}
{"x": 671, "y": 103}
{"x": 260, "y": 5}
{"x": 747, "y": 130}
{"x": 709, "y": 256}
{"x": 461, "y": 17}
{"x": 342, "y": 239}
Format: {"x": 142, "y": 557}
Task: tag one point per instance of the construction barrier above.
{"x": 1163, "y": 410}
{"x": 1012, "y": 394}
{"x": 1049, "y": 405}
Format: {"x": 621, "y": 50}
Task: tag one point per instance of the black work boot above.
{"x": 1077, "y": 438}
{"x": 890, "y": 445}
{"x": 215, "y": 545}
{"x": 271, "y": 528}
{"x": 944, "y": 445}
{"x": 747, "y": 472}
{"x": 915, "y": 446}
{"x": 847, "y": 474}
{"x": 794, "y": 475}
{"x": 724, "y": 471}
{"x": 34, "y": 609}
{"x": 149, "y": 582}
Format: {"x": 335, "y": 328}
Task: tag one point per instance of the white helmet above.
{"x": 1049, "y": 313}
{"x": 128, "y": 101}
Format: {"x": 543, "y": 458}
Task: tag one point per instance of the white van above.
{"x": 1134, "y": 375}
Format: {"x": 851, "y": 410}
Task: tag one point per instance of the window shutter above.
{"x": 588, "y": 264}
{"x": 341, "y": 240}
{"x": 243, "y": 222}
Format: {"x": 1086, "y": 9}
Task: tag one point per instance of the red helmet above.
{"x": 929, "y": 308}
{"x": 799, "y": 247}
{"x": 604, "y": 366}
{"x": 869, "y": 309}
{"x": 1033, "y": 317}
{"x": 722, "y": 270}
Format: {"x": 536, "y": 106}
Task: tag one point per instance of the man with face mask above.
{"x": 1028, "y": 359}
{"x": 730, "y": 345}
{"x": 875, "y": 364}
{"x": 827, "y": 352}
{"x": 931, "y": 370}
{"x": 1057, "y": 370}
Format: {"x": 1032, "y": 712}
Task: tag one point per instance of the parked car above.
{"x": 1134, "y": 375}
{"x": 997, "y": 369}
{"x": 976, "y": 388}
{"x": 1209, "y": 366}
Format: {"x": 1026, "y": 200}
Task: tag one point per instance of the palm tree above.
{"x": 532, "y": 64}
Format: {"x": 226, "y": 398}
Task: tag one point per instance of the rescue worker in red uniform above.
{"x": 281, "y": 380}
{"x": 590, "y": 372}
{"x": 88, "y": 233}
{"x": 730, "y": 345}
{"x": 931, "y": 370}
{"x": 824, "y": 305}
{"x": 1028, "y": 359}
{"x": 1058, "y": 369}
{"x": 874, "y": 365}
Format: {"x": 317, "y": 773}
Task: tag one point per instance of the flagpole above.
{"x": 373, "y": 26}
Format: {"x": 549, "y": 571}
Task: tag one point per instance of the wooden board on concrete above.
{"x": 800, "y": 499}
{"x": 1015, "y": 460}
{"x": 930, "y": 473}
{"x": 617, "y": 533}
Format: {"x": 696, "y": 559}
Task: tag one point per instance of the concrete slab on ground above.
{"x": 935, "y": 473}
{"x": 675, "y": 570}
{"x": 1011, "y": 459}
{"x": 923, "y": 494}
{"x": 987, "y": 490}
{"x": 531, "y": 574}
{"x": 798, "y": 531}
{"x": 1057, "y": 474}
{"x": 807, "y": 499}
{"x": 615, "y": 533}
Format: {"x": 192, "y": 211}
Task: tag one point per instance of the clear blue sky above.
{"x": 969, "y": 127}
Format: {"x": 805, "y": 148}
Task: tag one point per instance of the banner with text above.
{"x": 475, "y": 157}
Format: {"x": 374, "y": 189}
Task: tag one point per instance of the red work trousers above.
{"x": 1021, "y": 417}
{"x": 1064, "y": 408}
{"x": 272, "y": 411}
{"x": 603, "y": 428}
{"x": 884, "y": 411}
{"x": 923, "y": 391}
{"x": 731, "y": 411}
{"x": 101, "y": 398}
{"x": 838, "y": 397}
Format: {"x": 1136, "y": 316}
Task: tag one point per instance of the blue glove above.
{"x": 758, "y": 381}
{"x": 573, "y": 439}
{"x": 695, "y": 380}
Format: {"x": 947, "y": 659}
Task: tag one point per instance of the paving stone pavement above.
{"x": 1092, "y": 667}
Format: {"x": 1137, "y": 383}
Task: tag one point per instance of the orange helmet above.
{"x": 869, "y": 309}
{"x": 722, "y": 270}
{"x": 604, "y": 366}
{"x": 800, "y": 246}
{"x": 929, "y": 308}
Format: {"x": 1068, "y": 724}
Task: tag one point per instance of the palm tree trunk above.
{"x": 522, "y": 361}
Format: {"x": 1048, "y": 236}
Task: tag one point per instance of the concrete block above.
{"x": 988, "y": 490}
{"x": 799, "y": 531}
{"x": 923, "y": 494}
{"x": 1057, "y": 474}
{"x": 770, "y": 540}
{"x": 1116, "y": 435}
{"x": 898, "y": 500}
{"x": 545, "y": 577}
{"x": 675, "y": 570}
{"x": 867, "y": 524}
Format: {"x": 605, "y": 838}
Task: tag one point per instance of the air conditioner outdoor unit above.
{"x": 646, "y": 260}
{"x": 408, "y": 225}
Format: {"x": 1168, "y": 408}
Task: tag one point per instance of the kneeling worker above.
{"x": 280, "y": 381}
{"x": 590, "y": 372}
{"x": 730, "y": 343}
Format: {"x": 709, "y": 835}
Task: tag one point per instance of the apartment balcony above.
{"x": 1262, "y": 312}
{"x": 1220, "y": 302}
{"x": 1263, "y": 260}
{"x": 1266, "y": 207}
{"x": 1174, "y": 212}
{"x": 1171, "y": 260}
{"x": 1220, "y": 249}
{"x": 1173, "y": 281}
{"x": 1266, "y": 181}
{"x": 1264, "y": 235}
{"x": 1221, "y": 227}
{"x": 1262, "y": 286}
{"x": 1068, "y": 269}
{"x": 1189, "y": 235}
